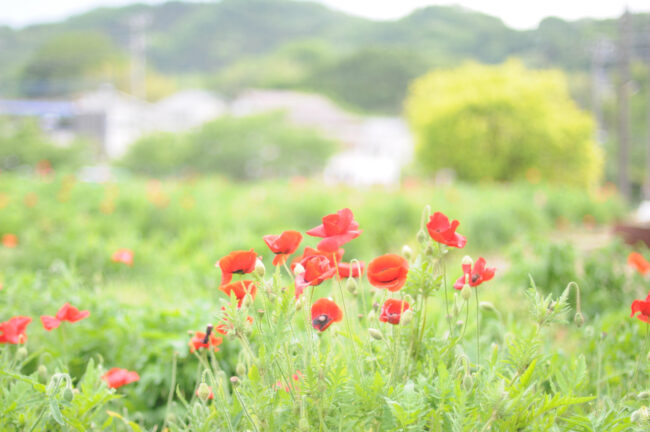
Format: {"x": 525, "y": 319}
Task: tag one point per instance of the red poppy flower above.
{"x": 226, "y": 324}
{"x": 13, "y": 331}
{"x": 66, "y": 313}
{"x": 388, "y": 272}
{"x": 444, "y": 232}
{"x": 637, "y": 261}
{"x": 332, "y": 257}
{"x": 124, "y": 256}
{"x": 283, "y": 245}
{"x": 347, "y": 270}
{"x": 336, "y": 230}
{"x": 10, "y": 241}
{"x": 240, "y": 289}
{"x": 117, "y": 377}
{"x": 324, "y": 312}
{"x": 44, "y": 168}
{"x": 475, "y": 276}
{"x": 391, "y": 311}
{"x": 642, "y": 306}
{"x": 237, "y": 262}
{"x": 199, "y": 340}
{"x": 317, "y": 269}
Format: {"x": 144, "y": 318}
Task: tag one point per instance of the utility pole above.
{"x": 138, "y": 44}
{"x": 623, "y": 105}
{"x": 602, "y": 53}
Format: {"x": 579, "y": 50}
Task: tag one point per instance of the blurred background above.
{"x": 346, "y": 92}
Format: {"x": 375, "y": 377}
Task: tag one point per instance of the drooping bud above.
{"x": 22, "y": 353}
{"x": 234, "y": 380}
{"x": 487, "y": 306}
{"x": 298, "y": 269}
{"x": 466, "y": 292}
{"x": 351, "y": 285}
{"x": 579, "y": 319}
{"x": 260, "y": 270}
{"x": 407, "y": 317}
{"x": 42, "y": 374}
{"x": 372, "y": 315}
{"x": 67, "y": 394}
{"x": 240, "y": 369}
{"x": 407, "y": 252}
{"x": 429, "y": 251}
{"x": 375, "y": 334}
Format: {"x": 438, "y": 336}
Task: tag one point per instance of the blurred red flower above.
{"x": 117, "y": 377}
{"x": 444, "y": 232}
{"x": 13, "y": 331}
{"x": 66, "y": 313}
{"x": 637, "y": 261}
{"x": 388, "y": 272}
{"x": 475, "y": 276}
{"x": 347, "y": 270}
{"x": 317, "y": 269}
{"x": 283, "y": 245}
{"x": 124, "y": 256}
{"x": 237, "y": 262}
{"x": 332, "y": 257}
{"x": 240, "y": 289}
{"x": 292, "y": 385}
{"x": 9, "y": 240}
{"x": 336, "y": 230}
{"x": 642, "y": 306}
{"x": 324, "y": 312}
{"x": 392, "y": 309}
{"x": 200, "y": 340}
{"x": 210, "y": 395}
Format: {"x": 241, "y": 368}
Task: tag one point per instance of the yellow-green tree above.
{"x": 502, "y": 122}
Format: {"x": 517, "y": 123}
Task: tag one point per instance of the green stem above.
{"x": 444, "y": 279}
{"x": 478, "y": 329}
{"x": 241, "y": 402}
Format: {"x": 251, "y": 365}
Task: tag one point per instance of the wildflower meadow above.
{"x": 203, "y": 305}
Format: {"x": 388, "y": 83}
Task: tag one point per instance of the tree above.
{"x": 503, "y": 123}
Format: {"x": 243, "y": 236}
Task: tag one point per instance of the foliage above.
{"x": 22, "y": 143}
{"x": 240, "y": 148}
{"x": 521, "y": 121}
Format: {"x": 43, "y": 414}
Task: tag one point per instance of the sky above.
{"x": 520, "y": 14}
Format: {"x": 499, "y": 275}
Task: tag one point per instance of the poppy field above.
{"x": 203, "y": 305}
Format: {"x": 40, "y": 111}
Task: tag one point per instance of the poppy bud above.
{"x": 42, "y": 374}
{"x": 407, "y": 252}
{"x": 460, "y": 324}
{"x": 204, "y": 391}
{"x": 643, "y": 395}
{"x": 468, "y": 382}
{"x": 429, "y": 251}
{"x": 407, "y": 317}
{"x": 487, "y": 306}
{"x": 422, "y": 237}
{"x": 248, "y": 300}
{"x": 299, "y": 303}
{"x": 298, "y": 269}
{"x": 234, "y": 380}
{"x": 579, "y": 319}
{"x": 22, "y": 353}
{"x": 641, "y": 415}
{"x": 260, "y": 312}
{"x": 67, "y": 394}
{"x": 466, "y": 292}
{"x": 240, "y": 369}
{"x": 375, "y": 334}
{"x": 259, "y": 268}
{"x": 371, "y": 316}
{"x": 351, "y": 285}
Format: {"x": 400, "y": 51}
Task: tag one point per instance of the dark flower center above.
{"x": 321, "y": 321}
{"x": 475, "y": 277}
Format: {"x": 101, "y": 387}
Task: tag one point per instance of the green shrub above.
{"x": 246, "y": 148}
{"x": 502, "y": 123}
{"x": 23, "y": 143}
